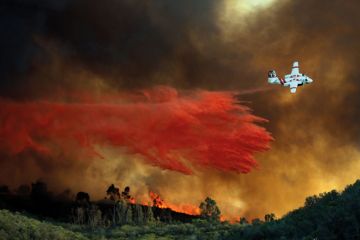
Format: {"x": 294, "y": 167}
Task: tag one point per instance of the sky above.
{"x": 66, "y": 52}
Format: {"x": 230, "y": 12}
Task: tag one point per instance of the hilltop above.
{"x": 330, "y": 215}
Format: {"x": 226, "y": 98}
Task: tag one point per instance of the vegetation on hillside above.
{"x": 18, "y": 226}
{"x": 329, "y": 215}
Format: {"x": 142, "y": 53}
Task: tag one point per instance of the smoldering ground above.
{"x": 70, "y": 46}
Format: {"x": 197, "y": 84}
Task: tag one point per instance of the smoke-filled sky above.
{"x": 117, "y": 71}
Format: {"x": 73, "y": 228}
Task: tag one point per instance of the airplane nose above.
{"x": 309, "y": 80}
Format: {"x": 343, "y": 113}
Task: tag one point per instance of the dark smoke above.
{"x": 128, "y": 43}
{"x": 57, "y": 47}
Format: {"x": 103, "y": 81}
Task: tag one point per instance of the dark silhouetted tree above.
{"x": 121, "y": 208}
{"x": 126, "y": 193}
{"x": 82, "y": 198}
{"x": 149, "y": 215}
{"x": 256, "y": 221}
{"x": 79, "y": 215}
{"x": 39, "y": 191}
{"x": 113, "y": 193}
{"x": 165, "y": 215}
{"x": 269, "y": 217}
{"x": 24, "y": 190}
{"x": 156, "y": 200}
{"x": 139, "y": 215}
{"x": 66, "y": 195}
{"x": 311, "y": 201}
{"x": 94, "y": 216}
{"x": 243, "y": 221}
{"x": 209, "y": 210}
{"x": 129, "y": 215}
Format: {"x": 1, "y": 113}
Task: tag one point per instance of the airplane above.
{"x": 292, "y": 80}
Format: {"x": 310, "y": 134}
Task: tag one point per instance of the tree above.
{"x": 94, "y": 216}
{"x": 82, "y": 199}
{"x": 156, "y": 199}
{"x": 243, "y": 221}
{"x": 78, "y": 215}
{"x": 256, "y": 221}
{"x": 66, "y": 195}
{"x": 23, "y": 190}
{"x": 149, "y": 215}
{"x": 209, "y": 210}
{"x": 120, "y": 211}
{"x": 165, "y": 215}
{"x": 113, "y": 193}
{"x": 311, "y": 201}
{"x": 126, "y": 195}
{"x": 139, "y": 215}
{"x": 39, "y": 190}
{"x": 269, "y": 217}
{"x": 129, "y": 215}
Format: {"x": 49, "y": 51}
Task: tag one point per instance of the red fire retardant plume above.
{"x": 171, "y": 130}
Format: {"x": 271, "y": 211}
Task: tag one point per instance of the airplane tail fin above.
{"x": 295, "y": 68}
{"x": 272, "y": 78}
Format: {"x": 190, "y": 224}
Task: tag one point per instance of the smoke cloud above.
{"x": 52, "y": 49}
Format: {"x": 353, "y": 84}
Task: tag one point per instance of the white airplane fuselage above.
{"x": 292, "y": 80}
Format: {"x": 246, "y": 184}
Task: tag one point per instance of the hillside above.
{"x": 19, "y": 226}
{"x": 330, "y": 215}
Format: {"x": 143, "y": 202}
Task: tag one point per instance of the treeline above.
{"x": 121, "y": 209}
{"x": 119, "y": 213}
{"x": 117, "y": 207}
{"x": 330, "y": 215}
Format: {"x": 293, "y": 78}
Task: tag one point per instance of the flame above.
{"x": 184, "y": 208}
{"x": 157, "y": 201}
{"x": 190, "y": 209}
{"x": 132, "y": 200}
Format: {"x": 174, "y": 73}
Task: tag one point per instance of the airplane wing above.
{"x": 293, "y": 87}
{"x": 295, "y": 69}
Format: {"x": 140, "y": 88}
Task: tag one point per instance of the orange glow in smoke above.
{"x": 183, "y": 208}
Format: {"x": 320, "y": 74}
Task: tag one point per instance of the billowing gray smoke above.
{"x": 60, "y": 47}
